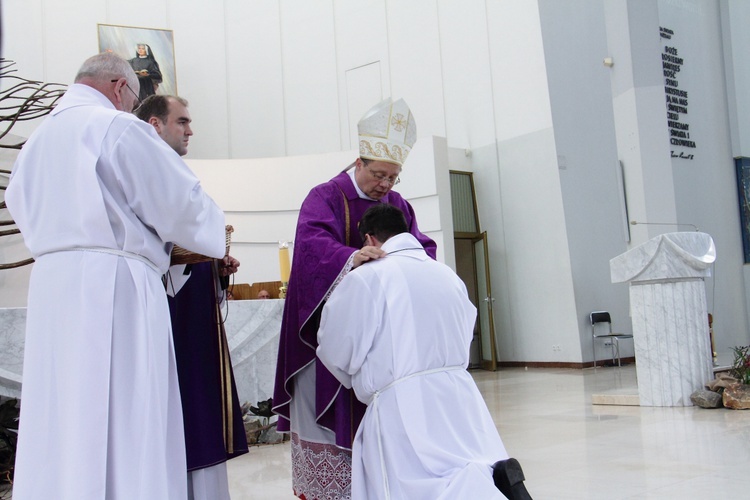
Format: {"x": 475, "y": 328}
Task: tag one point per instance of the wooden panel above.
{"x": 244, "y": 291}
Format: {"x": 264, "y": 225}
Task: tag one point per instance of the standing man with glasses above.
{"x": 100, "y": 200}
{"x": 135, "y": 94}
{"x": 321, "y": 415}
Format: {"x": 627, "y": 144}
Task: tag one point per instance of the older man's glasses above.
{"x": 137, "y": 100}
{"x": 380, "y": 177}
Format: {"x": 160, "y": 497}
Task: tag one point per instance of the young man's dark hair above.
{"x": 158, "y": 106}
{"x": 382, "y": 221}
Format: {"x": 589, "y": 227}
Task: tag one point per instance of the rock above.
{"x": 737, "y": 397}
{"x": 722, "y": 381}
{"x": 270, "y": 436}
{"x": 252, "y": 430}
{"x": 706, "y": 399}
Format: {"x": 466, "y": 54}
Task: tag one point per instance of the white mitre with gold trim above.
{"x": 387, "y": 132}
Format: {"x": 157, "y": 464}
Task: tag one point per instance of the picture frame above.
{"x": 122, "y": 40}
{"x": 742, "y": 166}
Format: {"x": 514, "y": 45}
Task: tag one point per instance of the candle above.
{"x": 284, "y": 265}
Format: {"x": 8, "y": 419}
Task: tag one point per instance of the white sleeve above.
{"x": 347, "y": 328}
{"x": 165, "y": 194}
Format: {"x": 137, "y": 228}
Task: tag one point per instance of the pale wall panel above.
{"x": 361, "y": 90}
{"x": 418, "y": 173}
{"x": 258, "y": 262}
{"x": 357, "y": 46}
{"x": 272, "y": 184}
{"x": 255, "y": 80}
{"x": 581, "y": 100}
{"x": 519, "y": 73}
{"x": 262, "y": 198}
{"x": 537, "y": 257}
{"x": 428, "y": 213}
{"x": 267, "y": 184}
{"x": 466, "y": 74}
{"x": 68, "y": 44}
{"x": 699, "y": 184}
{"x": 263, "y": 228}
{"x": 200, "y": 59}
{"x": 311, "y": 104}
{"x": 137, "y": 13}
{"x": 416, "y": 74}
{"x": 736, "y": 38}
{"x": 24, "y": 43}
{"x": 24, "y": 37}
{"x": 361, "y": 32}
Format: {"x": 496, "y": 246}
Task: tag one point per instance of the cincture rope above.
{"x": 374, "y": 405}
{"x": 112, "y": 251}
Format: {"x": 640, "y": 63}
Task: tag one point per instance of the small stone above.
{"x": 270, "y": 436}
{"x": 706, "y": 399}
{"x": 722, "y": 381}
{"x": 737, "y": 397}
{"x": 252, "y": 430}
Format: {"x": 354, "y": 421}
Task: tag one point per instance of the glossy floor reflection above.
{"x": 571, "y": 449}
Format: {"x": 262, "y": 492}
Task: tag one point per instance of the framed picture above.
{"x": 742, "y": 165}
{"x": 149, "y": 51}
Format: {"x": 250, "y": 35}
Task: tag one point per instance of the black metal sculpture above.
{"x": 22, "y": 100}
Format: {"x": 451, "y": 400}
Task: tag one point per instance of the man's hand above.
{"x": 228, "y": 265}
{"x": 366, "y": 254}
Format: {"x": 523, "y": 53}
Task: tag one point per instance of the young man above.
{"x": 214, "y": 431}
{"x": 398, "y": 331}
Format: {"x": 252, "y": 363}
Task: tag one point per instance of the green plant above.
{"x": 741, "y": 365}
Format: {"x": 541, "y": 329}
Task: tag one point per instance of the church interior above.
{"x": 572, "y": 157}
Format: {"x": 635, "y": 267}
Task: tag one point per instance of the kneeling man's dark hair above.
{"x": 382, "y": 221}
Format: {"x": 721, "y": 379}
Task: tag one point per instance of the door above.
{"x": 485, "y": 319}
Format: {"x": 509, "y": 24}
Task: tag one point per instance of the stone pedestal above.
{"x": 669, "y": 313}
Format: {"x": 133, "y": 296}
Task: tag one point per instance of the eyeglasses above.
{"x": 382, "y": 178}
{"x": 137, "y": 100}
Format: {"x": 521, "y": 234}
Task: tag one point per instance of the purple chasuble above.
{"x": 214, "y": 431}
{"x": 320, "y": 254}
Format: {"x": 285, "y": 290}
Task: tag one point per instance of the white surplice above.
{"x": 398, "y": 331}
{"x": 98, "y": 196}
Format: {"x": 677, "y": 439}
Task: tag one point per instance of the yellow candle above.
{"x": 284, "y": 265}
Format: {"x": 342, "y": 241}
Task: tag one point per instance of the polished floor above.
{"x": 571, "y": 449}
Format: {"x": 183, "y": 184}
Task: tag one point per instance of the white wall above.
{"x": 262, "y": 197}
{"x": 736, "y": 41}
{"x": 706, "y": 187}
{"x": 587, "y": 162}
{"x": 736, "y": 44}
{"x": 535, "y": 253}
{"x": 518, "y": 83}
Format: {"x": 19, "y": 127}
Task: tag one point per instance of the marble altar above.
{"x": 670, "y": 315}
{"x": 252, "y": 333}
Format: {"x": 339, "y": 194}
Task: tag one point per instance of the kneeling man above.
{"x": 398, "y": 330}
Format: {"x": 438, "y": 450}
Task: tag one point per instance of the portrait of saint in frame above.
{"x": 149, "y": 51}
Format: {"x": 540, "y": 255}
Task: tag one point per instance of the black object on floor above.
{"x": 509, "y": 478}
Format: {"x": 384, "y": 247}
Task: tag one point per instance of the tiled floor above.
{"x": 571, "y": 449}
